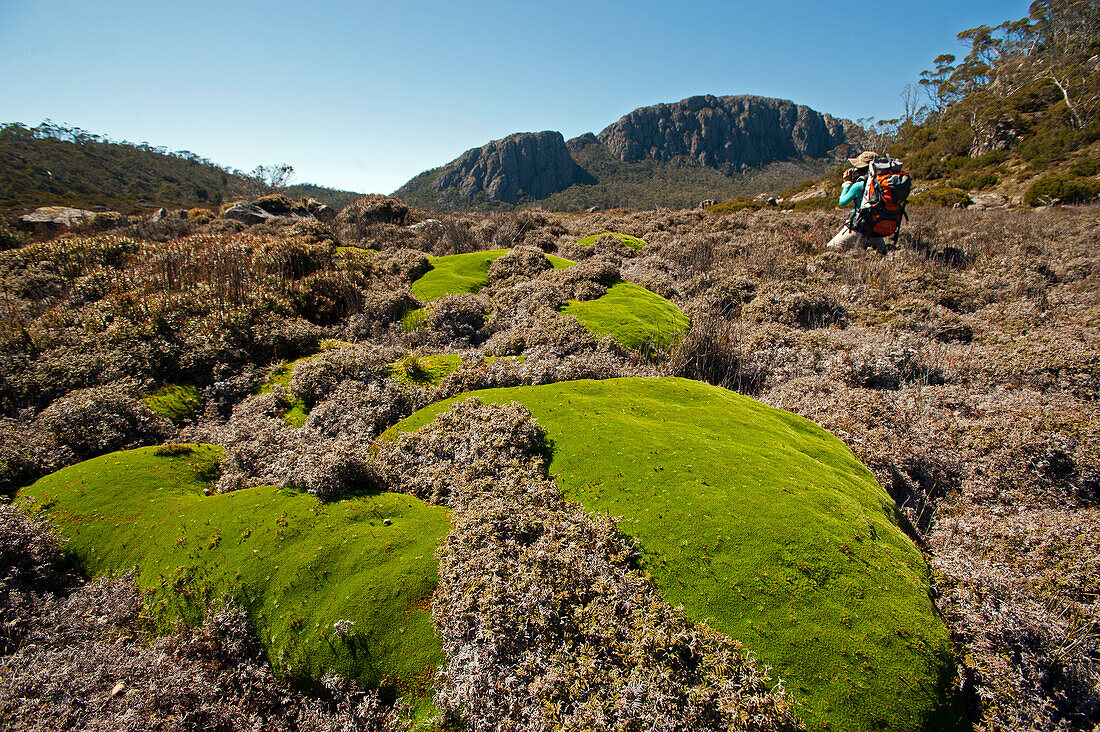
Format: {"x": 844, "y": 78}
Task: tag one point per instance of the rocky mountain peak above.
{"x": 526, "y": 165}
{"x": 728, "y": 133}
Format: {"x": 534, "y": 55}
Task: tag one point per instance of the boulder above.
{"x": 247, "y": 213}
{"x": 49, "y": 219}
{"x": 426, "y": 224}
{"x": 989, "y": 200}
{"x": 159, "y": 215}
{"x": 808, "y": 195}
{"x": 324, "y": 213}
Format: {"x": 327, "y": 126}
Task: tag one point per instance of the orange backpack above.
{"x": 885, "y": 191}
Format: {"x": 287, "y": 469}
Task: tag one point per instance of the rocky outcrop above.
{"x": 255, "y": 213}
{"x": 727, "y": 133}
{"x": 527, "y": 165}
{"x": 56, "y": 218}
{"x": 667, "y": 152}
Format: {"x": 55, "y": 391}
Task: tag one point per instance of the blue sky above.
{"x": 364, "y": 95}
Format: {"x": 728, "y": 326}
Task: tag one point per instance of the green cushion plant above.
{"x": 766, "y": 526}
{"x": 341, "y": 587}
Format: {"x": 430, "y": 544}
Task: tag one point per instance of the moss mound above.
{"x": 177, "y": 402}
{"x": 632, "y": 315}
{"x": 767, "y": 526}
{"x": 456, "y": 273}
{"x": 298, "y": 565}
{"x": 631, "y": 241}
{"x": 460, "y": 273}
{"x": 425, "y": 370}
{"x": 559, "y": 263}
{"x": 296, "y": 414}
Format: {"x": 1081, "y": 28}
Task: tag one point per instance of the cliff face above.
{"x": 693, "y": 149}
{"x": 530, "y": 165}
{"x": 727, "y": 133}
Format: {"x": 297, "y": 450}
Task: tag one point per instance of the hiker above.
{"x": 852, "y": 193}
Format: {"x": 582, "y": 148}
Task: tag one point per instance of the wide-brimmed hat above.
{"x": 864, "y": 159}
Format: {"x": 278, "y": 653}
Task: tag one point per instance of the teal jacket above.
{"x": 850, "y": 192}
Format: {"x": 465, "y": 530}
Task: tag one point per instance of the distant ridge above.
{"x": 666, "y": 154}
{"x": 56, "y": 165}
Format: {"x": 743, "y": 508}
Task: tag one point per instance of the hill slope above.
{"x": 765, "y": 524}
{"x": 52, "y": 165}
{"x": 663, "y": 155}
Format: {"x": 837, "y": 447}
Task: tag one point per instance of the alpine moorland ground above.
{"x": 766, "y": 526}
{"x": 961, "y": 368}
{"x": 337, "y": 587}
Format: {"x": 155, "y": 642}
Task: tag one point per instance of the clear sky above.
{"x": 364, "y": 95}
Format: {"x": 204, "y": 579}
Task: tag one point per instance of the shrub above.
{"x": 31, "y": 567}
{"x": 10, "y": 237}
{"x": 732, "y": 206}
{"x": 799, "y": 307}
{"x": 716, "y": 351}
{"x": 360, "y": 411}
{"x": 1064, "y": 188}
{"x": 519, "y": 263}
{"x": 201, "y": 215}
{"x": 315, "y": 379}
{"x": 455, "y": 319}
{"x": 326, "y": 297}
{"x": 948, "y": 197}
{"x": 359, "y": 219}
{"x": 102, "y": 419}
{"x": 408, "y": 264}
{"x": 974, "y": 181}
{"x": 277, "y": 203}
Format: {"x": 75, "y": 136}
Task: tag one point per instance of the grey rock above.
{"x": 988, "y": 200}
{"x": 159, "y": 215}
{"x": 808, "y": 195}
{"x": 426, "y": 224}
{"x": 55, "y": 218}
{"x": 247, "y": 213}
{"x": 324, "y": 213}
{"x": 527, "y": 165}
{"x": 727, "y": 133}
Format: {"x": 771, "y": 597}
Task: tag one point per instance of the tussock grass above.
{"x": 300, "y": 567}
{"x": 767, "y": 526}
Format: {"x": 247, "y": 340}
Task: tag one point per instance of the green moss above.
{"x": 177, "y": 402}
{"x": 425, "y": 370}
{"x": 558, "y": 262}
{"x": 632, "y": 315}
{"x": 767, "y": 526}
{"x": 456, "y": 273}
{"x": 296, "y": 564}
{"x": 354, "y": 251}
{"x": 413, "y": 319}
{"x": 296, "y": 415}
{"x": 631, "y": 241}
